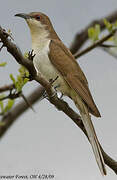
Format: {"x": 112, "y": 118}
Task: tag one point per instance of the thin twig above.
{"x": 82, "y": 37}
{"x": 96, "y": 44}
{"x": 107, "y": 46}
{"x": 11, "y": 96}
{"x": 6, "y": 88}
{"x": 19, "y": 109}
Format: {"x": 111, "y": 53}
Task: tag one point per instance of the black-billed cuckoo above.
{"x": 53, "y": 59}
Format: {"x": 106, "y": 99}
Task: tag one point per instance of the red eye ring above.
{"x": 37, "y": 17}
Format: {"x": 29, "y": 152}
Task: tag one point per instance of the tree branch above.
{"x": 96, "y": 44}
{"x": 19, "y": 109}
{"x": 11, "y": 96}
{"x": 6, "y": 88}
{"x": 82, "y": 37}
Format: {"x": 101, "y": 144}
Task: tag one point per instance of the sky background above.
{"x": 48, "y": 141}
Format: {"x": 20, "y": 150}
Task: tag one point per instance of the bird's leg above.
{"x": 45, "y": 95}
{"x": 53, "y": 80}
{"x": 59, "y": 94}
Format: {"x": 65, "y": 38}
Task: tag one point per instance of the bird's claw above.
{"x": 31, "y": 55}
{"x": 59, "y": 95}
{"x": 55, "y": 93}
{"x": 45, "y": 95}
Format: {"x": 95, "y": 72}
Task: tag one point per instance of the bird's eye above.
{"x": 38, "y": 18}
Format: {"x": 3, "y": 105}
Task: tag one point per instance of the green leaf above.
{"x": 9, "y": 105}
{"x": 1, "y": 103}
{"x": 25, "y": 80}
{"x": 23, "y": 71}
{"x": 26, "y": 55}
{"x": 93, "y": 32}
{"x": 3, "y": 64}
{"x": 97, "y": 30}
{"x": 20, "y": 81}
{"x": 12, "y": 78}
{"x": 108, "y": 25}
{"x": 1, "y": 106}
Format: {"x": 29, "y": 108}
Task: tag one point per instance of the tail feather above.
{"x": 94, "y": 142}
{"x": 86, "y": 119}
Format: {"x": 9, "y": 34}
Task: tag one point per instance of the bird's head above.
{"x": 38, "y": 22}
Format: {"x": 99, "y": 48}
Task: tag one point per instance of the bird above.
{"x": 53, "y": 59}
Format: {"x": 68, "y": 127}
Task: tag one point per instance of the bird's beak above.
{"x": 23, "y": 15}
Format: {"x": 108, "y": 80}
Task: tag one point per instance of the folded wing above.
{"x": 72, "y": 73}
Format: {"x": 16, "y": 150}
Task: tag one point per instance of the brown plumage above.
{"x": 72, "y": 73}
{"x": 54, "y": 59}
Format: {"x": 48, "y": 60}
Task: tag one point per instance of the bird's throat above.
{"x": 40, "y": 39}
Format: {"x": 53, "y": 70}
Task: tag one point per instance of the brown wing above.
{"x": 72, "y": 73}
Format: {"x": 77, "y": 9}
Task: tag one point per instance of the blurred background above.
{"x": 47, "y": 141}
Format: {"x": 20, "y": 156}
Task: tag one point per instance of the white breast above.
{"x": 44, "y": 66}
{"x": 42, "y": 63}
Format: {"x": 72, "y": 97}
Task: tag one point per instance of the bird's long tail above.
{"x": 86, "y": 119}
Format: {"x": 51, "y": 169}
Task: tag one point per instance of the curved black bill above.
{"x": 23, "y": 15}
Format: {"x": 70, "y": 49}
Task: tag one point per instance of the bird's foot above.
{"x": 31, "y": 55}
{"x": 58, "y": 93}
{"x": 45, "y": 95}
{"x": 55, "y": 92}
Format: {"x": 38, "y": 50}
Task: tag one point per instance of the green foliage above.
{"x": 93, "y": 32}
{"x": 3, "y": 64}
{"x": 108, "y": 25}
{"x": 12, "y": 78}
{"x": 19, "y": 82}
{"x": 7, "y": 107}
{"x": 1, "y": 103}
{"x": 26, "y": 54}
{"x": 21, "y": 79}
